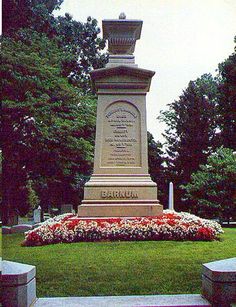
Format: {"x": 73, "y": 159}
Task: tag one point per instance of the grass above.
{"x": 119, "y": 268}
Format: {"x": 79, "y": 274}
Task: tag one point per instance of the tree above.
{"x": 31, "y": 14}
{"x": 156, "y": 168}
{"x": 191, "y": 132}
{"x": 47, "y": 125}
{"x": 83, "y": 41}
{"x": 213, "y": 187}
{"x": 227, "y": 101}
{"x": 33, "y": 198}
{"x": 76, "y": 38}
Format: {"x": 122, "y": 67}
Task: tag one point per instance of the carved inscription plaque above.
{"x": 121, "y": 136}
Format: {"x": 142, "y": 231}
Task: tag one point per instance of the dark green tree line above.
{"x": 157, "y": 171}
{"x": 202, "y": 120}
{"x": 227, "y": 101}
{"x": 191, "y": 132}
{"x": 48, "y": 122}
{"x": 78, "y": 38}
{"x": 213, "y": 186}
{"x": 47, "y": 126}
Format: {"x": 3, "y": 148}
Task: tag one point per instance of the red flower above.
{"x": 32, "y": 239}
{"x": 55, "y": 226}
{"x": 205, "y": 233}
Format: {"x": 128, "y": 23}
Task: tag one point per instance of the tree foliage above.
{"x": 31, "y": 14}
{"x": 48, "y": 122}
{"x": 33, "y": 198}
{"x": 191, "y": 132}
{"x": 213, "y": 187}
{"x": 227, "y": 102}
{"x": 203, "y": 119}
{"x": 156, "y": 167}
{"x": 80, "y": 39}
{"x": 47, "y": 126}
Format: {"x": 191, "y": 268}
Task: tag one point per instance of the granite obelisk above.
{"x": 120, "y": 184}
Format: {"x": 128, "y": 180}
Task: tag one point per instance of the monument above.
{"x": 120, "y": 185}
{"x": 171, "y": 197}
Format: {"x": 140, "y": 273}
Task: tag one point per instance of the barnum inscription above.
{"x": 119, "y": 194}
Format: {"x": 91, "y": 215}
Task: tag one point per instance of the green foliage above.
{"x": 80, "y": 40}
{"x": 83, "y": 41}
{"x": 34, "y": 89}
{"x": 31, "y": 14}
{"x": 156, "y": 169}
{"x": 191, "y": 132}
{"x": 213, "y": 186}
{"x": 48, "y": 126}
{"x": 227, "y": 102}
{"x": 202, "y": 120}
{"x": 32, "y": 196}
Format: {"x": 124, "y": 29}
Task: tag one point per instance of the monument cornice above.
{"x": 144, "y": 86}
{"x": 102, "y": 78}
{"x": 122, "y": 70}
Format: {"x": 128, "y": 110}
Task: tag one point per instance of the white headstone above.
{"x": 37, "y": 215}
{"x": 171, "y": 196}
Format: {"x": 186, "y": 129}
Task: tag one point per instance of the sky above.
{"x": 180, "y": 40}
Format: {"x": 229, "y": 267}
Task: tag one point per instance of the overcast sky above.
{"x": 180, "y": 41}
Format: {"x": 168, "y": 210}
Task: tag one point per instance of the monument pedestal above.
{"x": 131, "y": 196}
{"x": 122, "y": 210}
{"x": 120, "y": 184}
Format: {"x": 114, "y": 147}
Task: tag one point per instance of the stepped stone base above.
{"x": 120, "y": 196}
{"x": 119, "y": 210}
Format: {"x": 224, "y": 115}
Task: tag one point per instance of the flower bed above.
{"x": 171, "y": 225}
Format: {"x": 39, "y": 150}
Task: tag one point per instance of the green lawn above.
{"x": 119, "y": 268}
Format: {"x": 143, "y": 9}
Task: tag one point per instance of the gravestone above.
{"x": 21, "y": 228}
{"x": 37, "y": 215}
{"x": 18, "y": 284}
{"x": 219, "y": 282}
{"x": 120, "y": 184}
{"x": 66, "y": 208}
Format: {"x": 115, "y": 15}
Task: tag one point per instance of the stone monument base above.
{"x": 120, "y": 196}
{"x": 119, "y": 210}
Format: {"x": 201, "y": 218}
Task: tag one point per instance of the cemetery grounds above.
{"x": 119, "y": 268}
